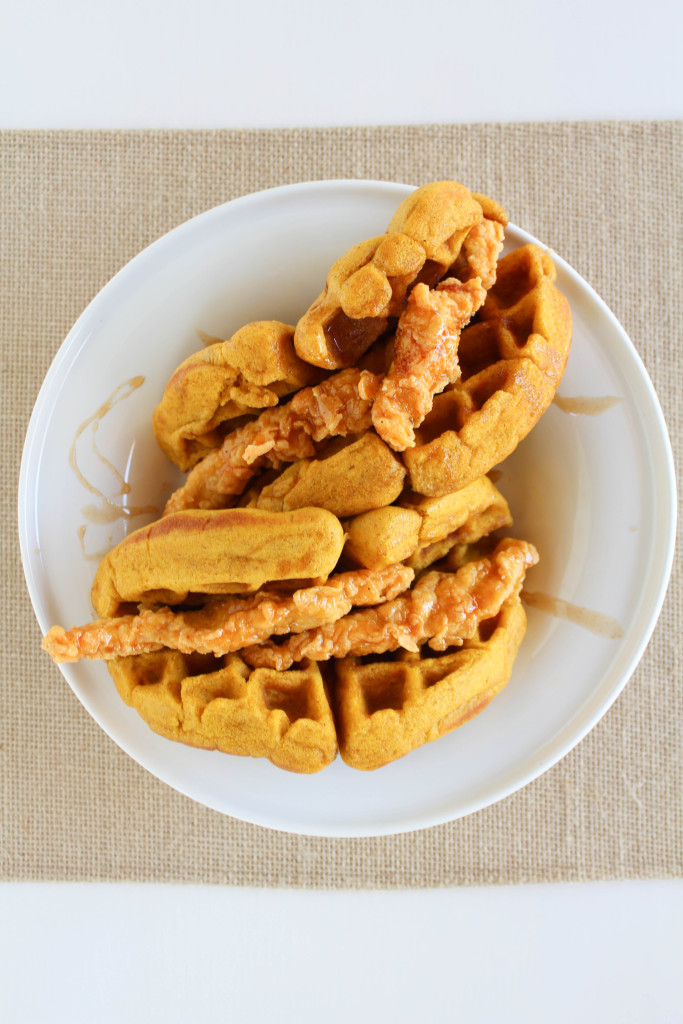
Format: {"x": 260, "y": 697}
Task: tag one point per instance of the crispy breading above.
{"x": 223, "y": 626}
{"x": 479, "y": 254}
{"x": 443, "y": 609}
{"x": 339, "y": 405}
{"x": 425, "y": 356}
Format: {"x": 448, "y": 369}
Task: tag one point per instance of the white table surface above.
{"x": 595, "y": 952}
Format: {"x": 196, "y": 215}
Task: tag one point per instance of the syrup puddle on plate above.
{"x": 105, "y": 510}
{"x": 593, "y": 621}
{"x": 583, "y": 406}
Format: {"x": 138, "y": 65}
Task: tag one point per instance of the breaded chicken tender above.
{"x": 227, "y": 625}
{"x": 425, "y": 357}
{"x": 443, "y": 609}
{"x": 368, "y": 285}
{"x": 339, "y": 406}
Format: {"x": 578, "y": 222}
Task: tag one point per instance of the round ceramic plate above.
{"x": 594, "y": 493}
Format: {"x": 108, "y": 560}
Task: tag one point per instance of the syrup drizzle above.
{"x": 593, "y": 621}
{"x": 586, "y": 406}
{"x": 208, "y": 339}
{"x": 105, "y": 510}
{"x": 89, "y": 556}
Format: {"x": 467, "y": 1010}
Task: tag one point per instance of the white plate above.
{"x": 595, "y": 494}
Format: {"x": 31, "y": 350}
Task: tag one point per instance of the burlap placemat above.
{"x": 75, "y": 207}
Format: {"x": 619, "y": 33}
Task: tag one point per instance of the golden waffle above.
{"x": 222, "y": 704}
{"x": 387, "y": 708}
{"x": 369, "y": 283}
{"x": 383, "y": 709}
{"x": 248, "y": 372}
{"x": 338, "y": 406}
{"x": 238, "y": 705}
{"x": 442, "y": 516}
{"x": 216, "y": 552}
{"x": 512, "y": 360}
{"x": 363, "y": 475}
{"x": 420, "y": 530}
{"x": 439, "y": 216}
{"x": 382, "y": 537}
{"x": 491, "y": 209}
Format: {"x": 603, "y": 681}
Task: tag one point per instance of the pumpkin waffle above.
{"x": 361, "y": 476}
{"x": 368, "y": 285}
{"x": 456, "y": 520}
{"x": 440, "y": 215}
{"x": 249, "y": 372}
{"x": 223, "y": 704}
{"x": 383, "y": 709}
{"x": 216, "y": 552}
{"x": 419, "y": 530}
{"x": 512, "y": 360}
{"x": 386, "y": 708}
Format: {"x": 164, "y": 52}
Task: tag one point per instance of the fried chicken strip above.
{"x": 442, "y": 609}
{"x": 227, "y": 625}
{"x": 479, "y": 254}
{"x": 426, "y": 347}
{"x": 339, "y": 405}
{"x": 425, "y": 356}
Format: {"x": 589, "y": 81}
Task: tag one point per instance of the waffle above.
{"x": 228, "y": 379}
{"x": 420, "y": 530}
{"x": 369, "y": 283}
{"x": 222, "y": 704}
{"x": 363, "y": 475}
{"x": 512, "y": 360}
{"x": 386, "y": 708}
{"x": 439, "y": 216}
{"x": 382, "y": 709}
{"x": 230, "y": 703}
{"x": 216, "y": 552}
{"x": 337, "y": 407}
{"x": 382, "y": 536}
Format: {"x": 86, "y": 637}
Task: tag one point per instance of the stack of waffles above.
{"x": 333, "y": 575}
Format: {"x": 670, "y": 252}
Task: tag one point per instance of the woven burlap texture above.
{"x": 75, "y": 207}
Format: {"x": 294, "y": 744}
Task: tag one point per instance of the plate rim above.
{"x": 665, "y": 504}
